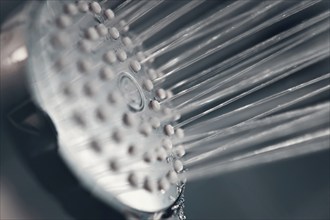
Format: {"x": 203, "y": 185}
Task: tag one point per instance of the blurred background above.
{"x": 298, "y": 188}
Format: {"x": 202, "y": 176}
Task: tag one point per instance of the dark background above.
{"x": 293, "y": 189}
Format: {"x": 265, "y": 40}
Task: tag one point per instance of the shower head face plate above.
{"x": 112, "y": 130}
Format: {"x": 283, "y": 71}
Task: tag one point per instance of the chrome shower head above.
{"x": 84, "y": 71}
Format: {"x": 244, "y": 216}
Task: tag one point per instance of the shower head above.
{"x": 85, "y": 73}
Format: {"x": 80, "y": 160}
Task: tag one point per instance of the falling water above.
{"x": 250, "y": 79}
